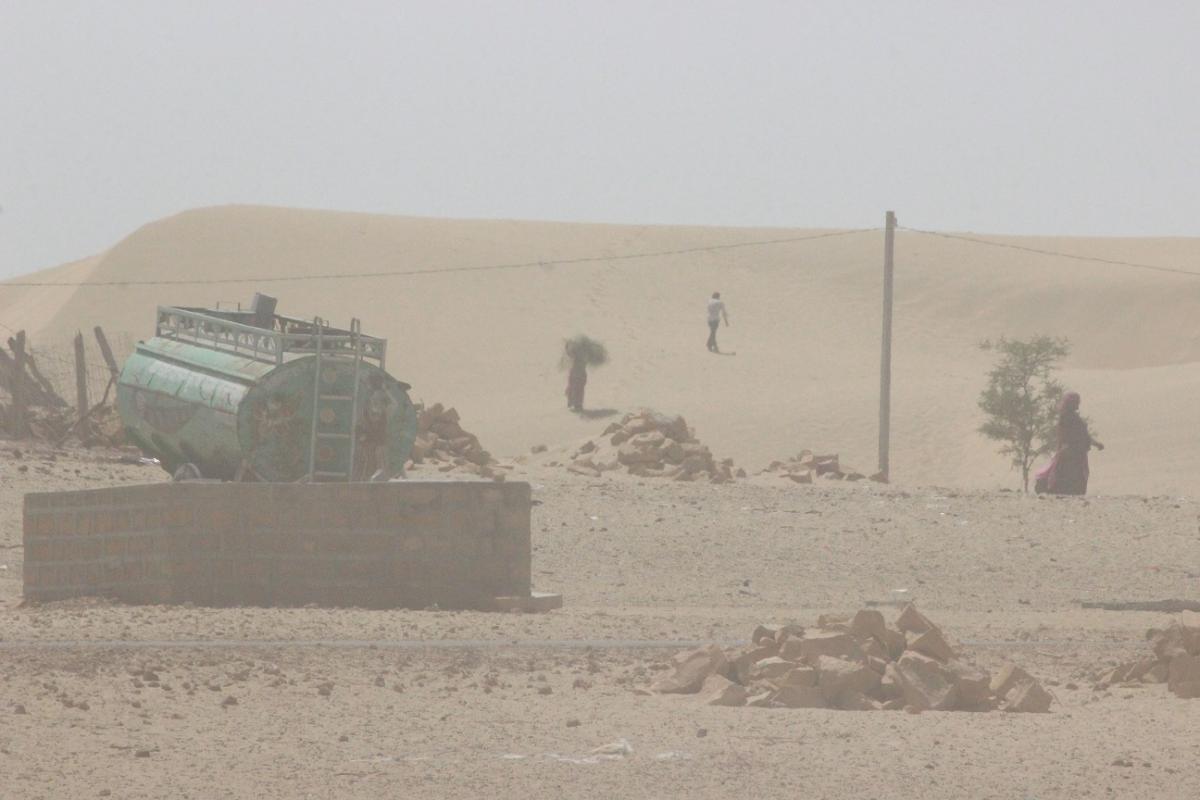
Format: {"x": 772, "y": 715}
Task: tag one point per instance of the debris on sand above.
{"x": 60, "y": 424}
{"x": 650, "y": 444}
{"x": 443, "y": 444}
{"x": 1175, "y": 662}
{"x": 806, "y": 466}
{"x": 854, "y": 663}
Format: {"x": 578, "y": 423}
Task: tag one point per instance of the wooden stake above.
{"x": 107, "y": 352}
{"x": 81, "y": 387}
{"x": 18, "y": 385}
{"x": 885, "y": 362}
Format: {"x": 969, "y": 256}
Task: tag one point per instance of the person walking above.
{"x": 716, "y": 313}
{"x": 1068, "y": 472}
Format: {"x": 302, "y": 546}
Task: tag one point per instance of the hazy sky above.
{"x": 1022, "y": 117}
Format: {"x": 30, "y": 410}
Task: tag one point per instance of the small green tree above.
{"x": 1021, "y": 398}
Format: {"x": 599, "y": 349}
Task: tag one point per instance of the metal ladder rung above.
{"x": 329, "y": 356}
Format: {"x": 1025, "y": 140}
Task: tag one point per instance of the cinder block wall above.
{"x": 381, "y": 545}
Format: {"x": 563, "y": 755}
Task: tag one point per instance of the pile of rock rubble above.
{"x": 860, "y": 664}
{"x": 652, "y": 445}
{"x": 443, "y": 444}
{"x": 1176, "y": 662}
{"x": 806, "y": 466}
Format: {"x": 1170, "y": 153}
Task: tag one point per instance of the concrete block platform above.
{"x": 452, "y": 544}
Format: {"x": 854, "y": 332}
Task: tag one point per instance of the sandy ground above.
{"x": 805, "y": 328}
{"x": 288, "y": 703}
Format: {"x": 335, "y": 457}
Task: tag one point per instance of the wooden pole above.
{"x": 81, "y": 387}
{"x": 107, "y": 352}
{"x": 18, "y": 385}
{"x": 885, "y": 363}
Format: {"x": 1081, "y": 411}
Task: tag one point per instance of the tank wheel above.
{"x": 187, "y": 472}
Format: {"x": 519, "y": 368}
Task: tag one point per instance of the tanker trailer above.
{"x": 252, "y": 395}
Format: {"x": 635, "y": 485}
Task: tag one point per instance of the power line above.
{"x": 444, "y": 270}
{"x": 1053, "y": 253}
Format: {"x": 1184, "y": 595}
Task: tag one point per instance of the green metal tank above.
{"x": 250, "y": 395}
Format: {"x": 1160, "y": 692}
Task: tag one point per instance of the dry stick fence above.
{"x": 53, "y": 376}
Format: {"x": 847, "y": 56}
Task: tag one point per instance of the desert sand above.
{"x": 805, "y": 327}
{"x": 100, "y": 699}
{"x": 244, "y": 702}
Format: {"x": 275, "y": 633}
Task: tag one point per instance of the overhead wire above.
{"x": 1053, "y": 253}
{"x": 555, "y": 262}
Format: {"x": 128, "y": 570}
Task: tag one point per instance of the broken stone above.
{"x": 857, "y": 701}
{"x": 913, "y": 621}
{"x": 932, "y": 644}
{"x": 799, "y": 697}
{"x": 873, "y": 649}
{"x": 1176, "y": 640}
{"x": 1008, "y": 677}
{"x": 743, "y": 664}
{"x": 762, "y": 632}
{"x": 1028, "y": 696}
{"x": 771, "y": 669}
{"x": 926, "y": 683}
{"x": 1183, "y": 676}
{"x": 789, "y": 632}
{"x": 585, "y": 469}
{"x": 869, "y": 623}
{"x": 823, "y": 643}
{"x": 973, "y": 685}
{"x": 629, "y": 454}
{"x": 895, "y": 642}
{"x": 799, "y": 676}
{"x": 720, "y": 691}
{"x": 889, "y": 688}
{"x": 1159, "y": 673}
{"x": 692, "y": 669}
{"x": 836, "y": 677}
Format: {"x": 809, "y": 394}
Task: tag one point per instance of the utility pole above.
{"x": 885, "y": 362}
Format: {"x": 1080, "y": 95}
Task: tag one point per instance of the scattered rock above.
{"x": 857, "y": 664}
{"x": 805, "y": 466}
{"x": 934, "y": 645}
{"x": 1176, "y": 662}
{"x": 1028, "y": 696}
{"x": 1183, "y": 676}
{"x": 652, "y": 445}
{"x": 442, "y": 444}
{"x": 1008, "y": 677}
{"x": 926, "y": 683}
{"x": 692, "y": 669}
{"x": 720, "y": 691}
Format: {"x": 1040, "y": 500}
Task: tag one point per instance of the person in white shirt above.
{"x": 716, "y": 313}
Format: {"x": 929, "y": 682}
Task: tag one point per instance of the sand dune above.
{"x": 805, "y": 328}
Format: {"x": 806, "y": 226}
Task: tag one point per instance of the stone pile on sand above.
{"x": 1175, "y": 662}
{"x": 807, "y": 466}
{"x": 443, "y": 444}
{"x": 652, "y": 445}
{"x": 855, "y": 664}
